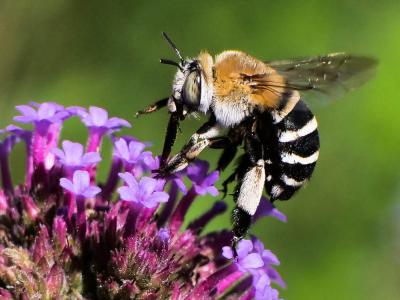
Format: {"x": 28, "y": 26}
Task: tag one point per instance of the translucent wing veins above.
{"x": 330, "y": 74}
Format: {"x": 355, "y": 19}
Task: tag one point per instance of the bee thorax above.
{"x": 229, "y": 113}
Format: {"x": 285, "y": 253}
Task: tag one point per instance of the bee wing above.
{"x": 329, "y": 75}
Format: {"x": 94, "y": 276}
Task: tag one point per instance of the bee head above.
{"x": 188, "y": 81}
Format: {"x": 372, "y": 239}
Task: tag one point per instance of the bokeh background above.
{"x": 342, "y": 239}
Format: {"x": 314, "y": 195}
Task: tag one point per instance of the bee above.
{"x": 259, "y": 105}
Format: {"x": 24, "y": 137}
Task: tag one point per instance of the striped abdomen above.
{"x": 291, "y": 143}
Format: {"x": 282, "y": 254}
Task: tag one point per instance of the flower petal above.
{"x": 135, "y": 149}
{"x": 73, "y": 152}
{"x": 266, "y": 208}
{"x": 130, "y": 180}
{"x": 160, "y": 185}
{"x": 244, "y": 247}
{"x": 67, "y": 184}
{"x": 46, "y": 111}
{"x": 58, "y": 153}
{"x": 200, "y": 190}
{"x": 181, "y": 185}
{"x": 115, "y": 123}
{"x": 227, "y": 252}
{"x": 99, "y": 116}
{"x": 269, "y": 257}
{"x": 76, "y": 110}
{"x": 126, "y": 193}
{"x": 159, "y": 197}
{"x": 91, "y": 191}
{"x": 251, "y": 261}
{"x": 147, "y": 185}
{"x": 27, "y": 111}
{"x": 212, "y": 190}
{"x": 121, "y": 149}
{"x": 276, "y": 277}
{"x": 24, "y": 119}
{"x": 152, "y": 163}
{"x": 211, "y": 178}
{"x": 81, "y": 181}
{"x": 197, "y": 171}
{"x": 90, "y": 158}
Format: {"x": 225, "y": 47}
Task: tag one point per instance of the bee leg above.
{"x": 177, "y": 115}
{"x": 153, "y": 107}
{"x": 251, "y": 175}
{"x": 226, "y": 183}
{"x": 203, "y": 138}
{"x": 170, "y": 136}
{"x": 227, "y": 156}
{"x": 229, "y": 153}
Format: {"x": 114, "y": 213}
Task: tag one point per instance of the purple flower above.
{"x": 265, "y": 209}
{"x": 99, "y": 124}
{"x": 137, "y": 244}
{"x": 143, "y": 192}
{"x": 153, "y": 163}
{"x": 46, "y": 112}
{"x": 254, "y": 259}
{"x": 263, "y": 288}
{"x": 246, "y": 259}
{"x": 80, "y": 185}
{"x": 72, "y": 155}
{"x": 47, "y": 120}
{"x": 269, "y": 259}
{"x": 203, "y": 182}
{"x": 98, "y": 117}
{"x": 76, "y": 110}
{"x": 163, "y": 234}
{"x": 131, "y": 153}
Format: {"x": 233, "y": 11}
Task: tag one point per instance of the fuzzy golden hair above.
{"x": 241, "y": 77}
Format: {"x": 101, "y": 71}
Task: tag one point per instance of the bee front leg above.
{"x": 204, "y": 137}
{"x": 251, "y": 175}
{"x": 153, "y": 107}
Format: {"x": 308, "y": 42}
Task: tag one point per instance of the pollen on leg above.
{"x": 251, "y": 189}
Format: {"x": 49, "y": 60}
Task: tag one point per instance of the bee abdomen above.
{"x": 292, "y": 150}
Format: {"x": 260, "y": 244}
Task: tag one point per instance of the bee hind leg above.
{"x": 249, "y": 190}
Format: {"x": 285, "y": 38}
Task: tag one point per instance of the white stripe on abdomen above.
{"x": 291, "y": 158}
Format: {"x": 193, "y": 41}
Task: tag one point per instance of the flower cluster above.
{"x": 64, "y": 235}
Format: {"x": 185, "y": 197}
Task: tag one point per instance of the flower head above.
{"x": 203, "y": 182}
{"x": 254, "y": 259}
{"x": 72, "y": 155}
{"x": 80, "y": 185}
{"x": 247, "y": 260}
{"x": 132, "y": 155}
{"x": 269, "y": 260}
{"x": 143, "y": 192}
{"x": 46, "y": 112}
{"x": 117, "y": 250}
{"x": 153, "y": 163}
{"x": 98, "y": 117}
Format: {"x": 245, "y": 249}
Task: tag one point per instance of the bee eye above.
{"x": 192, "y": 89}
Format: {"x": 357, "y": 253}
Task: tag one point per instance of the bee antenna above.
{"x": 169, "y": 62}
{"x": 173, "y": 46}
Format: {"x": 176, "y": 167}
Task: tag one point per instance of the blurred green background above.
{"x": 342, "y": 239}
